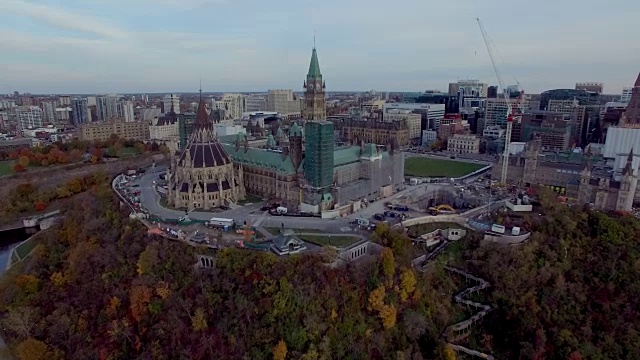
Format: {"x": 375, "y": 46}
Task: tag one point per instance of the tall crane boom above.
{"x": 510, "y": 109}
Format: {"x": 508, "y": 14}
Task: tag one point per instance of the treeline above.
{"x": 26, "y": 198}
{"x": 75, "y": 151}
{"x": 100, "y": 287}
{"x": 572, "y": 292}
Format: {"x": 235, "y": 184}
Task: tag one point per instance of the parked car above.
{"x": 224, "y": 207}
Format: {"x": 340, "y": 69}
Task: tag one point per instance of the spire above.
{"x": 628, "y": 168}
{"x": 314, "y": 66}
{"x": 637, "y": 81}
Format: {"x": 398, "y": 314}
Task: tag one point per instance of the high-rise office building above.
{"x": 232, "y": 104}
{"x": 492, "y": 92}
{"x": 314, "y": 97}
{"x": 171, "y": 100}
{"x": 255, "y": 103}
{"x": 470, "y": 88}
{"x": 282, "y": 101}
{"x": 80, "y": 112}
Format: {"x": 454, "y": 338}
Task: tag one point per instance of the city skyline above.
{"x": 100, "y": 46}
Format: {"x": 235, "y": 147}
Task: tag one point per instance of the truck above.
{"x": 498, "y": 228}
{"x": 221, "y": 223}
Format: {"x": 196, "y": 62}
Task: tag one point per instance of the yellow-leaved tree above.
{"x": 280, "y": 351}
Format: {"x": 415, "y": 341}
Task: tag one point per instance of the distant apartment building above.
{"x": 283, "y": 102}
{"x": 592, "y": 87}
{"x": 80, "y": 112}
{"x": 464, "y": 144}
{"x": 107, "y": 107}
{"x": 125, "y": 130}
{"x": 125, "y": 111}
{"x": 63, "y": 115}
{"x": 171, "y": 100}
{"x": 49, "y": 111}
{"x": 7, "y": 104}
{"x": 64, "y": 101}
{"x": 414, "y": 121}
{"x": 578, "y": 114}
{"x": 28, "y": 117}
{"x": 255, "y": 103}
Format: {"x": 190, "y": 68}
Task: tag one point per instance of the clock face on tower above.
{"x": 318, "y": 87}
{"x": 310, "y": 86}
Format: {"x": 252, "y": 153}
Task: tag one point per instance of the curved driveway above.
{"x": 150, "y": 200}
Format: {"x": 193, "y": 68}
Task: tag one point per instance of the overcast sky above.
{"x": 105, "y": 46}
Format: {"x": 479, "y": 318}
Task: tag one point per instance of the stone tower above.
{"x": 314, "y": 99}
{"x": 628, "y": 185}
{"x": 295, "y": 145}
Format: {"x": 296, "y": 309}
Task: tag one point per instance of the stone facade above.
{"x": 573, "y": 177}
{"x": 203, "y": 176}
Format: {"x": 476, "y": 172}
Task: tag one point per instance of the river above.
{"x": 10, "y": 239}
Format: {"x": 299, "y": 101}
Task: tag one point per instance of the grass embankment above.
{"x": 338, "y": 241}
{"x": 428, "y": 167}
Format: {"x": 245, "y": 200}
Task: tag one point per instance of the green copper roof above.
{"x": 271, "y": 141}
{"x": 346, "y": 155}
{"x": 295, "y": 130}
{"x": 314, "y": 67}
{"x": 260, "y": 157}
{"x": 370, "y": 150}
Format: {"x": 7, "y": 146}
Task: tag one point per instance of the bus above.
{"x": 221, "y": 223}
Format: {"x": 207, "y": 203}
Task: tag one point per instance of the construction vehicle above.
{"x": 513, "y": 111}
{"x": 441, "y": 210}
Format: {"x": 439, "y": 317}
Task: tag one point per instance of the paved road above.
{"x": 150, "y": 200}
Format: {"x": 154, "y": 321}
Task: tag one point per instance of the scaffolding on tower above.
{"x": 513, "y": 111}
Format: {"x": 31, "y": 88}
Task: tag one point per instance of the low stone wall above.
{"x": 507, "y": 239}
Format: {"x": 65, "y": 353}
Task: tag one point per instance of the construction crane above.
{"x": 511, "y": 110}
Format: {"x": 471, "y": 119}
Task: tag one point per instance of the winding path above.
{"x": 460, "y": 298}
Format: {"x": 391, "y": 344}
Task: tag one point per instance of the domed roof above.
{"x": 203, "y": 149}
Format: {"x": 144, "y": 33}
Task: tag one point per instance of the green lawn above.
{"x": 429, "y": 167}
{"x": 6, "y": 167}
{"x": 127, "y": 152}
{"x": 338, "y": 241}
{"x": 276, "y": 230}
{"x": 25, "y": 248}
